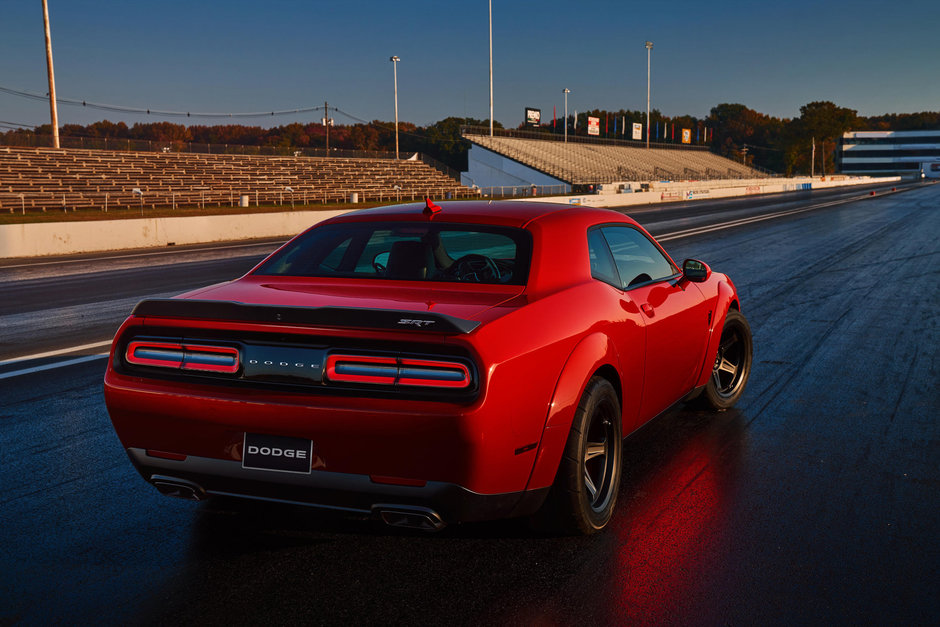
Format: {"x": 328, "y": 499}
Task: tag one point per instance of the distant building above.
{"x": 890, "y": 153}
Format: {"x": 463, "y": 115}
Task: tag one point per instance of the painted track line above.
{"x": 55, "y": 353}
{"x": 665, "y": 237}
{"x": 52, "y": 366}
{"x": 147, "y": 254}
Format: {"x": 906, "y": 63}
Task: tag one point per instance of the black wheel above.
{"x": 582, "y": 498}
{"x": 732, "y": 364}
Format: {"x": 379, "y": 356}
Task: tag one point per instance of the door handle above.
{"x": 647, "y": 309}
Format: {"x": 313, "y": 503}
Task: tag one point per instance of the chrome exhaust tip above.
{"x": 178, "y": 488}
{"x": 410, "y": 517}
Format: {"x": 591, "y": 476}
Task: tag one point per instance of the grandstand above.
{"x": 580, "y": 162}
{"x": 46, "y": 178}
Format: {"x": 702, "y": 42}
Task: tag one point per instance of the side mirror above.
{"x": 695, "y": 271}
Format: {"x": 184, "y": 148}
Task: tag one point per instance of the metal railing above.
{"x": 149, "y": 145}
{"x": 580, "y": 139}
{"x": 204, "y": 197}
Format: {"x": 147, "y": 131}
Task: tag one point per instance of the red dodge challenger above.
{"x": 428, "y": 364}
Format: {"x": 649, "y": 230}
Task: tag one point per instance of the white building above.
{"x": 905, "y": 153}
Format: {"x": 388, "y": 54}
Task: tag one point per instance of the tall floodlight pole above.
{"x": 491, "y": 68}
{"x": 566, "y": 92}
{"x": 649, "y": 46}
{"x": 52, "y": 107}
{"x": 395, "y": 61}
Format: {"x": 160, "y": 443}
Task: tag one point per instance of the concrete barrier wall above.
{"x": 704, "y": 190}
{"x": 63, "y": 238}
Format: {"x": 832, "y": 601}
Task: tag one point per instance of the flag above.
{"x": 623, "y": 124}
{"x": 657, "y": 131}
{"x": 553, "y": 116}
{"x": 673, "y": 136}
{"x": 698, "y": 134}
{"x": 615, "y": 125}
{"x": 575, "y": 119}
{"x": 606, "y": 124}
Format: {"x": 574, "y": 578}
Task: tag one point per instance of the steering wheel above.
{"x": 477, "y": 268}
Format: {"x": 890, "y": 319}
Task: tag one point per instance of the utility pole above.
{"x": 52, "y": 104}
{"x": 327, "y": 122}
{"x": 812, "y": 160}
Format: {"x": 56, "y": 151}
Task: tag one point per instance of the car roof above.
{"x": 502, "y": 213}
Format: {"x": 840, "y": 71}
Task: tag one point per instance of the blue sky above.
{"x": 239, "y": 56}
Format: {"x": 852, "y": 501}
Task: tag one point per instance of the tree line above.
{"x": 735, "y": 131}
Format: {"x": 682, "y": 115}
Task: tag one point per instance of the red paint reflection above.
{"x": 670, "y": 519}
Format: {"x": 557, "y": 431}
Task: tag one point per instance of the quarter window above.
{"x": 638, "y": 260}
{"x": 602, "y": 264}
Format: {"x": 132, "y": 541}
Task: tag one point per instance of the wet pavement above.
{"x": 814, "y": 501}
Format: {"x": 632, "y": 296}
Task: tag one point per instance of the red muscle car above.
{"x": 428, "y": 364}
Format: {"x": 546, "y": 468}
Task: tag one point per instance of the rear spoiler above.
{"x": 354, "y": 317}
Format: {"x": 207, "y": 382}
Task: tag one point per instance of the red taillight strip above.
{"x": 211, "y": 358}
{"x": 362, "y": 369}
{"x": 160, "y": 354}
{"x": 397, "y": 371}
{"x": 440, "y": 374}
{"x": 197, "y": 357}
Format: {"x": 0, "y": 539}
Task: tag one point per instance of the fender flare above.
{"x": 726, "y": 295}
{"x": 588, "y": 356}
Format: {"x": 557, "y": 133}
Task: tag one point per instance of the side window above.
{"x": 638, "y": 260}
{"x": 602, "y": 264}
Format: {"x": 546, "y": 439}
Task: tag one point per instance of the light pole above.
{"x": 491, "y": 67}
{"x": 649, "y": 46}
{"x": 566, "y": 92}
{"x": 395, "y": 61}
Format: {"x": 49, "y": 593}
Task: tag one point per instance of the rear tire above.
{"x": 732, "y": 365}
{"x": 583, "y": 496}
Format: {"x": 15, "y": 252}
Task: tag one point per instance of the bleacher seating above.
{"x": 584, "y": 162}
{"x": 45, "y": 178}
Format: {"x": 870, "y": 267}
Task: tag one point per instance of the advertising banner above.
{"x": 594, "y": 126}
{"x": 533, "y": 117}
{"x": 686, "y": 136}
{"x": 637, "y": 130}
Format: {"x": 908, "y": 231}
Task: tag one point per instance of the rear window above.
{"x": 416, "y": 251}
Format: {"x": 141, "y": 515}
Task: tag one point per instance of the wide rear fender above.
{"x": 590, "y": 355}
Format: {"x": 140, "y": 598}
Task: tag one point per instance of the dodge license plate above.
{"x": 276, "y": 452}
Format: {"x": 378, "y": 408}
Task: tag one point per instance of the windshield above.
{"x": 415, "y": 251}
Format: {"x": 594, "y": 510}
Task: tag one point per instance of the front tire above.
{"x": 732, "y": 365}
{"x": 583, "y": 496}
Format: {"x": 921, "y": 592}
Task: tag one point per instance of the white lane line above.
{"x": 665, "y": 237}
{"x": 55, "y": 353}
{"x": 58, "y": 364}
{"x": 149, "y": 254}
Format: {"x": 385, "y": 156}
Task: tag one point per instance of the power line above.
{"x": 159, "y": 112}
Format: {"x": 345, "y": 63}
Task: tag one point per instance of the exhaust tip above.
{"x": 178, "y": 488}
{"x": 410, "y": 517}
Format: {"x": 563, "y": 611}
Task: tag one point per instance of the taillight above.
{"x": 397, "y": 371}
{"x": 183, "y": 356}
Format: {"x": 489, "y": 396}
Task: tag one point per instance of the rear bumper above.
{"x": 352, "y": 493}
